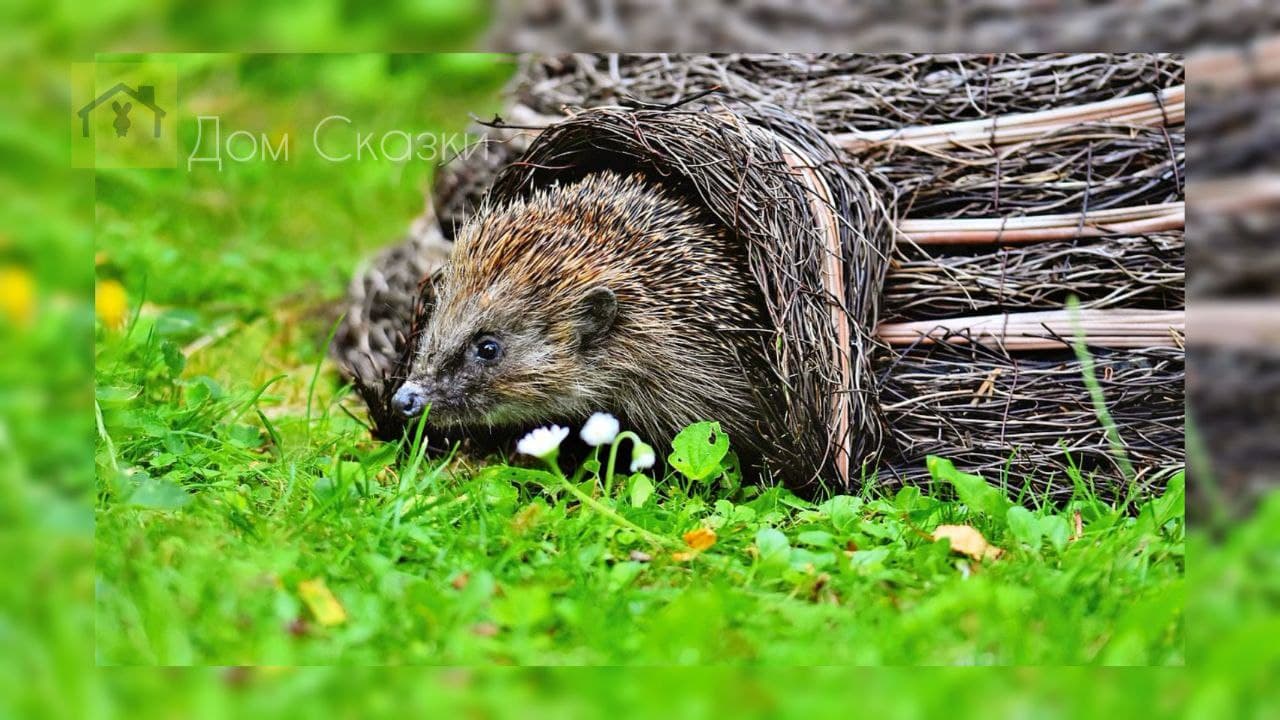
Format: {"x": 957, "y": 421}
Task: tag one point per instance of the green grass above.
{"x": 227, "y": 478}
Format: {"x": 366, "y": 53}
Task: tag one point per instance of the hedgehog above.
{"x": 604, "y": 293}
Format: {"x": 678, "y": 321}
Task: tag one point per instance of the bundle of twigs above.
{"x": 1237, "y": 221}
{"x": 1234, "y": 381}
{"x": 1235, "y": 403}
{"x": 1050, "y": 177}
{"x": 1088, "y": 167}
{"x": 876, "y": 25}
{"x": 1236, "y": 109}
{"x": 1028, "y": 420}
{"x": 1157, "y": 108}
{"x": 849, "y": 93}
{"x": 1143, "y": 271}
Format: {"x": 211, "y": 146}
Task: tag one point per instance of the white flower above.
{"x": 641, "y": 457}
{"x": 542, "y": 442}
{"x": 601, "y": 429}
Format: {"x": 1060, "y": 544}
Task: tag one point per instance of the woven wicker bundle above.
{"x": 1234, "y": 370}
{"x": 877, "y": 25}
{"x": 1033, "y": 179}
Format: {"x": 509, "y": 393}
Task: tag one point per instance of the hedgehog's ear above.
{"x": 595, "y": 314}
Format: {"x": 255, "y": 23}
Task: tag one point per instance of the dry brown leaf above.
{"x": 460, "y": 581}
{"x": 968, "y": 541}
{"x": 700, "y": 539}
{"x": 324, "y": 607}
{"x": 527, "y": 518}
{"x": 1077, "y": 526}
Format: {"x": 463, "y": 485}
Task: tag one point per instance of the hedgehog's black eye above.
{"x": 488, "y": 349}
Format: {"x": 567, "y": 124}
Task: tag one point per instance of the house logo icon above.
{"x": 118, "y": 95}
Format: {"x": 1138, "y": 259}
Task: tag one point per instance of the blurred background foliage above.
{"x": 47, "y": 249}
{"x": 71, "y": 29}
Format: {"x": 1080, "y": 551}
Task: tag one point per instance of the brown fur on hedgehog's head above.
{"x": 605, "y": 294}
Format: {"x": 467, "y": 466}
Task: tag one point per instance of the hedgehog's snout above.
{"x": 441, "y": 396}
{"x": 409, "y": 400}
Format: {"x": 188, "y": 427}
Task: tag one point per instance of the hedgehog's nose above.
{"x": 409, "y": 400}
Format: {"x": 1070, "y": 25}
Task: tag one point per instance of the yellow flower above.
{"x": 17, "y": 294}
{"x": 111, "y": 302}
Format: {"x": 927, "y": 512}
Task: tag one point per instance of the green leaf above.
{"x": 1025, "y": 526}
{"x": 202, "y": 389}
{"x": 816, "y": 538}
{"x": 157, "y": 493}
{"x": 522, "y": 606}
{"x": 508, "y": 473}
{"x": 641, "y": 489}
{"x": 907, "y": 498}
{"x": 621, "y": 574}
{"x": 775, "y": 550}
{"x": 698, "y": 450}
{"x": 843, "y": 510}
{"x": 1057, "y": 529}
{"x": 244, "y": 436}
{"x": 174, "y": 360}
{"x": 972, "y": 490}
{"x": 1172, "y": 504}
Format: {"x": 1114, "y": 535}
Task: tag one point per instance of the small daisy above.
{"x": 601, "y": 429}
{"x": 542, "y": 442}
{"x": 641, "y": 457}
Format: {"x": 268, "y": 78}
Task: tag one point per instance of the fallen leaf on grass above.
{"x": 527, "y": 518}
{"x": 320, "y": 601}
{"x": 1077, "y": 526}
{"x": 697, "y": 540}
{"x": 460, "y": 581}
{"x": 968, "y": 541}
{"x": 700, "y": 539}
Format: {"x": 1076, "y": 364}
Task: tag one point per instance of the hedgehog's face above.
{"x": 486, "y": 359}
